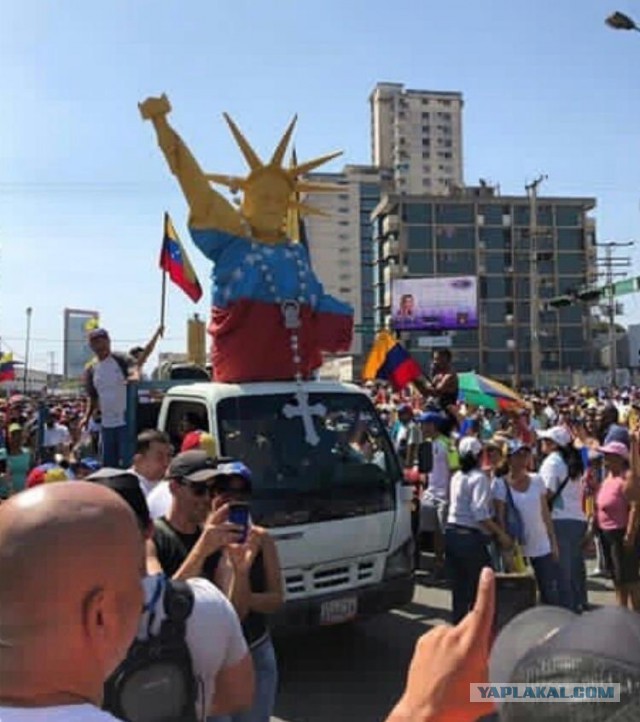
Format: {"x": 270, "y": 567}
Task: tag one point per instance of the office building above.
{"x": 477, "y": 232}
{"x": 341, "y": 244}
{"x": 417, "y": 134}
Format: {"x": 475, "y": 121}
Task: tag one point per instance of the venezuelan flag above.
{"x": 390, "y": 361}
{"x": 175, "y": 262}
{"x": 7, "y": 368}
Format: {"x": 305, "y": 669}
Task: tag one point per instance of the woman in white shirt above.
{"x": 469, "y": 526}
{"x": 528, "y": 495}
{"x": 562, "y": 471}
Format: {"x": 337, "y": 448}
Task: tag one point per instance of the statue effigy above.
{"x": 270, "y": 317}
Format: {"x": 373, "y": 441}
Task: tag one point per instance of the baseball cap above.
{"x": 235, "y": 468}
{"x": 469, "y": 445}
{"x": 549, "y": 645}
{"x": 193, "y": 466}
{"x": 127, "y": 486}
{"x": 515, "y": 445}
{"x": 200, "y": 440}
{"x": 558, "y": 434}
{"x": 98, "y": 333}
{"x": 615, "y": 448}
{"x": 430, "y": 417}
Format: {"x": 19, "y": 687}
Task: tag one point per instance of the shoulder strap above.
{"x": 178, "y": 604}
{"x": 559, "y": 490}
{"x": 123, "y": 365}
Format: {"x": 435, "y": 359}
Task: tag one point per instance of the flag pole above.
{"x": 163, "y": 302}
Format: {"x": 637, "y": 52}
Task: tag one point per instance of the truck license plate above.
{"x": 336, "y": 611}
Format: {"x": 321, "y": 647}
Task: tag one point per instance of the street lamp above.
{"x": 620, "y": 21}
{"x": 27, "y": 344}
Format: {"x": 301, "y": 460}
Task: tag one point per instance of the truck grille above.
{"x": 328, "y": 578}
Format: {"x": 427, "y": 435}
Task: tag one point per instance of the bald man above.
{"x": 70, "y": 599}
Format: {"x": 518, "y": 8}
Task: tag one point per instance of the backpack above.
{"x": 155, "y": 682}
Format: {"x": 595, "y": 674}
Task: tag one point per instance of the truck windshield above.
{"x": 351, "y": 471}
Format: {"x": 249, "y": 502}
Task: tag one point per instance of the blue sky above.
{"x": 548, "y": 89}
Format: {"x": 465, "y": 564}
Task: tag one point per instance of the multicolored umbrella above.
{"x": 477, "y": 390}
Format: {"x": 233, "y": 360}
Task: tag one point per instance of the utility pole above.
{"x": 27, "y": 345}
{"x": 534, "y": 322}
{"x": 610, "y": 264}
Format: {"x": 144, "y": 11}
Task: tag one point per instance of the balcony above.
{"x": 390, "y": 224}
{"x": 391, "y": 248}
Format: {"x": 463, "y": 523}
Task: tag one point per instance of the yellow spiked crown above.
{"x": 285, "y": 178}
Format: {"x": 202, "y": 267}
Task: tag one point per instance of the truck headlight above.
{"x": 400, "y": 563}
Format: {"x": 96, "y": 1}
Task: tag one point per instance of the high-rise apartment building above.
{"x": 476, "y": 232}
{"x": 417, "y": 135}
{"x": 341, "y": 244}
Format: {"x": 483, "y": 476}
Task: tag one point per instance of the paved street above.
{"x": 355, "y": 673}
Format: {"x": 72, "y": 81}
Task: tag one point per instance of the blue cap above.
{"x": 91, "y": 464}
{"x": 430, "y": 417}
{"x": 234, "y": 468}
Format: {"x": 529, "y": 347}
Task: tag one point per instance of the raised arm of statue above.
{"x": 208, "y": 209}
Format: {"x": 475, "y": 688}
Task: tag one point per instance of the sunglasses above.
{"x": 199, "y": 489}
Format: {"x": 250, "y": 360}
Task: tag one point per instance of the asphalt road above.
{"x": 353, "y": 673}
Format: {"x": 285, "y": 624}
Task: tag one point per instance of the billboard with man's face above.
{"x": 434, "y": 304}
{"x": 77, "y": 354}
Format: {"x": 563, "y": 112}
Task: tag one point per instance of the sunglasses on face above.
{"x": 199, "y": 489}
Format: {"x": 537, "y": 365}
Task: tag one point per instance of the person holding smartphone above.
{"x": 255, "y": 554}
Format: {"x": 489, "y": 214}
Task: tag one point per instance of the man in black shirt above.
{"x": 187, "y": 541}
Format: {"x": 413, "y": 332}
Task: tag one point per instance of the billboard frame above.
{"x": 67, "y": 313}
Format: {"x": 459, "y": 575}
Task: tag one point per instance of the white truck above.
{"x": 326, "y": 482}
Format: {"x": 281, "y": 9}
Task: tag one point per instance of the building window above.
{"x": 570, "y": 263}
{"x": 456, "y": 237}
{"x": 568, "y": 216}
{"x": 344, "y": 196}
{"x": 495, "y": 239}
{"x": 419, "y": 238}
{"x": 455, "y": 213}
{"x": 497, "y": 262}
{"x": 417, "y": 212}
{"x": 343, "y": 210}
{"x": 570, "y": 239}
{"x": 342, "y": 249}
{"x": 420, "y": 264}
{"x": 343, "y": 223}
{"x": 344, "y": 290}
{"x": 344, "y": 277}
{"x": 344, "y": 263}
{"x": 451, "y": 263}
{"x": 344, "y": 236}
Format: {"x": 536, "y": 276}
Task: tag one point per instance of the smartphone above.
{"x": 239, "y": 515}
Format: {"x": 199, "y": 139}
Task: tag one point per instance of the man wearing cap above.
{"x": 106, "y": 386}
{"x": 186, "y": 539}
{"x": 221, "y": 661}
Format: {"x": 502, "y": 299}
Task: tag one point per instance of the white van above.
{"x": 327, "y": 484}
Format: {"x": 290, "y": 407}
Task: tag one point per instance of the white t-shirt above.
{"x": 57, "y": 435}
{"x": 146, "y": 486}
{"x": 536, "y": 538}
{"x": 214, "y": 635}
{"x": 159, "y": 500}
{"x": 111, "y": 386}
{"x": 440, "y": 475}
{"x": 568, "y": 505}
{"x": 65, "y": 713}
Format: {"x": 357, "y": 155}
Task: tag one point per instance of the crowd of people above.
{"x": 535, "y": 485}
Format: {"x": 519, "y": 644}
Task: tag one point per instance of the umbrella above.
{"x": 477, "y": 390}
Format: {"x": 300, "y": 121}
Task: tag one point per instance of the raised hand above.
{"x": 155, "y": 107}
{"x": 446, "y": 661}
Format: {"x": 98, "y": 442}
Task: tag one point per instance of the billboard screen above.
{"x": 77, "y": 353}
{"x": 435, "y": 304}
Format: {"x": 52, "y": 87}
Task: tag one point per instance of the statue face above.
{"x": 265, "y": 206}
